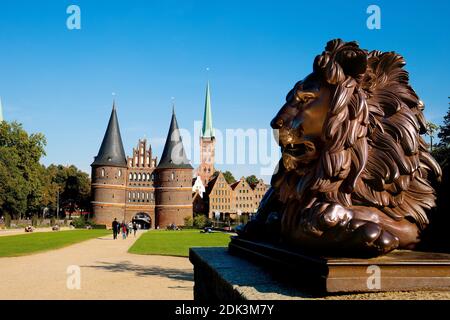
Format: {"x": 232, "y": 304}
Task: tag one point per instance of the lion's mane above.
{"x": 373, "y": 154}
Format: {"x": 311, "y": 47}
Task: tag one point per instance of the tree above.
{"x": 431, "y": 129}
{"x": 20, "y": 170}
{"x": 229, "y": 177}
{"x": 73, "y": 186}
{"x": 444, "y": 132}
{"x": 251, "y": 180}
{"x": 442, "y": 151}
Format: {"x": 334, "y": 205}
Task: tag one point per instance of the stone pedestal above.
{"x": 221, "y": 276}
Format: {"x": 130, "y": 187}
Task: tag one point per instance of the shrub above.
{"x": 34, "y": 220}
{"x": 188, "y": 221}
{"x": 8, "y": 220}
{"x": 79, "y": 223}
{"x": 98, "y": 226}
{"x": 200, "y": 221}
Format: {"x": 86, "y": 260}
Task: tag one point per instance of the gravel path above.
{"x": 107, "y": 272}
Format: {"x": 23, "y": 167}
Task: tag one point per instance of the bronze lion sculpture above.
{"x": 355, "y": 177}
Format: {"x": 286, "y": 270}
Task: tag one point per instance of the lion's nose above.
{"x": 277, "y": 123}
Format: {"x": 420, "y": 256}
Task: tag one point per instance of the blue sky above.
{"x": 59, "y": 82}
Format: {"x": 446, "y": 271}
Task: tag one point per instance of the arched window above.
{"x": 139, "y": 177}
{"x": 103, "y": 172}
{"x": 135, "y": 176}
{"x": 172, "y": 176}
{"x": 120, "y": 173}
{"x": 130, "y": 176}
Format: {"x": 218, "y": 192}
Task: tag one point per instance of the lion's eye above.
{"x": 304, "y": 97}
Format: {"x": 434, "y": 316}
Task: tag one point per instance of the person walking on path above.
{"x": 124, "y": 230}
{"x": 134, "y": 228}
{"x": 115, "y": 228}
{"x": 118, "y": 228}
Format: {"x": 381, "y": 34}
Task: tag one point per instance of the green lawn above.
{"x": 19, "y": 245}
{"x": 177, "y": 243}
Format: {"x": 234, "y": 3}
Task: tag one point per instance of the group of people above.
{"x": 123, "y": 228}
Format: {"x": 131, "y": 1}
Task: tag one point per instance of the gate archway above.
{"x": 143, "y": 220}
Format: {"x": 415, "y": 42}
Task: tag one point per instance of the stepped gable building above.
{"x": 134, "y": 188}
{"x": 244, "y": 197}
{"x": 229, "y": 199}
{"x": 207, "y": 143}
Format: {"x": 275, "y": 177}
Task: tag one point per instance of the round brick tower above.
{"x": 109, "y": 174}
{"x": 173, "y": 188}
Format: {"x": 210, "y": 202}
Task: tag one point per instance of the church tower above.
{"x": 109, "y": 174}
{"x": 207, "y": 143}
{"x": 173, "y": 187}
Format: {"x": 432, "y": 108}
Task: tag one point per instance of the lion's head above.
{"x": 350, "y": 133}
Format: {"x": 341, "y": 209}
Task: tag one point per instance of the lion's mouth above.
{"x": 298, "y": 150}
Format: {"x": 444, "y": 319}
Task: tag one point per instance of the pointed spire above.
{"x": 1, "y": 110}
{"x": 207, "y": 129}
{"x": 111, "y": 152}
{"x": 173, "y": 155}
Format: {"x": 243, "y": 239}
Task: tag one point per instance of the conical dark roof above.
{"x": 173, "y": 155}
{"x": 111, "y": 152}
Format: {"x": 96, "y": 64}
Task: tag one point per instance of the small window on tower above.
{"x": 172, "y": 176}
{"x": 120, "y": 173}
{"x": 103, "y": 172}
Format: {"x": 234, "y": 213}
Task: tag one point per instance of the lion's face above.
{"x": 299, "y": 123}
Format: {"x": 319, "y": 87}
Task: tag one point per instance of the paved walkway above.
{"x": 107, "y": 272}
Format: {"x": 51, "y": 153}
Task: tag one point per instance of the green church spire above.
{"x": 207, "y": 129}
{"x": 1, "y": 110}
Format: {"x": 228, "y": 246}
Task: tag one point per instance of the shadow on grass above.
{"x": 144, "y": 271}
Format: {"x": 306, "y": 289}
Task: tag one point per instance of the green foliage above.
{"x": 200, "y": 221}
{"x": 79, "y": 223}
{"x": 229, "y": 177}
{"x": 431, "y": 129}
{"x": 98, "y": 226}
{"x": 188, "y": 221}
{"x": 252, "y": 179}
{"x": 8, "y": 220}
{"x": 444, "y": 132}
{"x": 441, "y": 152}
{"x": 73, "y": 185}
{"x": 34, "y": 220}
{"x": 26, "y": 186}
{"x": 20, "y": 170}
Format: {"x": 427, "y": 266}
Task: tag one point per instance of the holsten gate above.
{"x": 137, "y": 188}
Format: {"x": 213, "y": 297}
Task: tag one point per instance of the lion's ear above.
{"x": 353, "y": 61}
